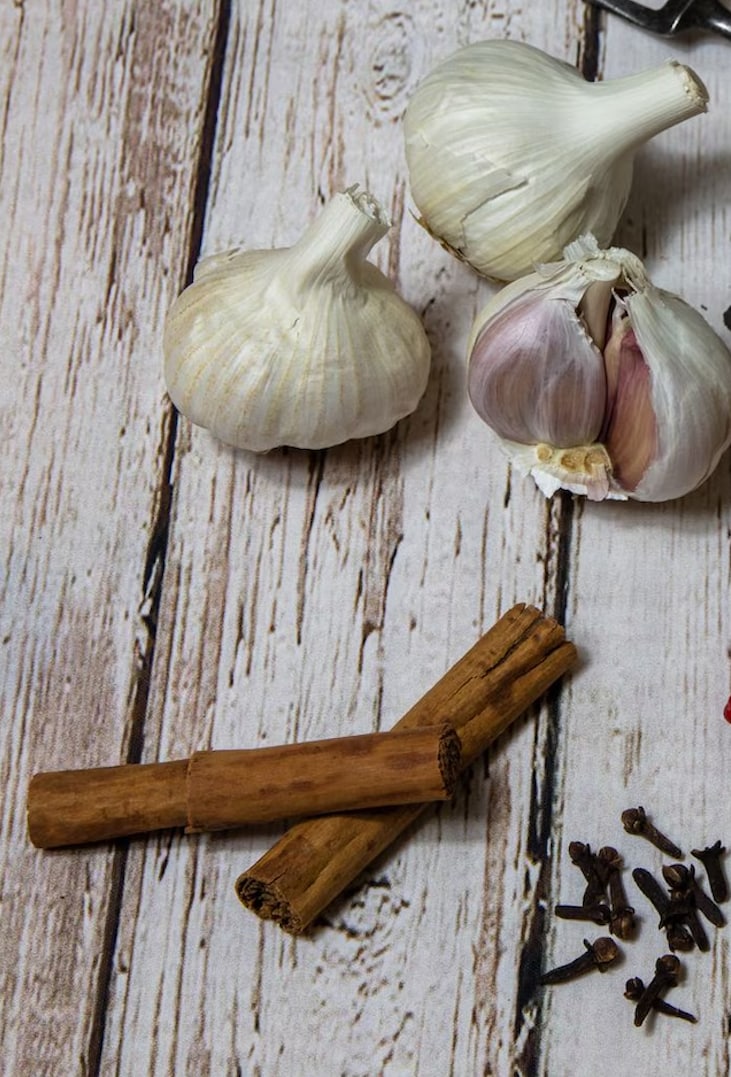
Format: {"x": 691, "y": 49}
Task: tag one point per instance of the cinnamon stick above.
{"x": 499, "y": 677}
{"x": 214, "y": 790}
{"x": 74, "y": 807}
{"x": 228, "y": 788}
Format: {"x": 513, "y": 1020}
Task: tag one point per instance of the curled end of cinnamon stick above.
{"x": 268, "y": 903}
{"x": 449, "y": 757}
{"x": 501, "y": 675}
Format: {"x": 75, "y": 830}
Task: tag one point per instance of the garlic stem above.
{"x": 338, "y": 241}
{"x": 637, "y": 107}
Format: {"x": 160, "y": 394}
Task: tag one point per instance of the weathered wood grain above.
{"x": 649, "y": 599}
{"x": 101, "y": 130}
{"x": 313, "y": 593}
{"x": 162, "y": 593}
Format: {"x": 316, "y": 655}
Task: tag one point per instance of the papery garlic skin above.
{"x": 647, "y": 408}
{"x": 503, "y": 186}
{"x": 306, "y": 346}
{"x": 690, "y": 375}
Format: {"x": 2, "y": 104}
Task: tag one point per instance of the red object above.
{"x": 727, "y": 710}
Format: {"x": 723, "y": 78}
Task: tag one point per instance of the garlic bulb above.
{"x": 305, "y": 346}
{"x": 600, "y": 383}
{"x": 512, "y": 154}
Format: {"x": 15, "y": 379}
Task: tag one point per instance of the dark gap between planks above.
{"x": 541, "y": 810}
{"x": 540, "y": 819}
{"x": 154, "y": 567}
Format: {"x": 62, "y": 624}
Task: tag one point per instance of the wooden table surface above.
{"x": 163, "y": 593}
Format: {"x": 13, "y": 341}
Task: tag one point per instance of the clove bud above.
{"x": 710, "y": 857}
{"x": 598, "y": 955}
{"x": 622, "y": 920}
{"x": 635, "y": 821}
{"x": 667, "y": 971}
{"x": 685, "y": 887}
{"x": 585, "y": 860}
{"x": 635, "y": 989}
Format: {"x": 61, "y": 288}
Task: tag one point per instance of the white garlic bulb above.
{"x": 600, "y": 383}
{"x": 512, "y": 154}
{"x": 306, "y": 346}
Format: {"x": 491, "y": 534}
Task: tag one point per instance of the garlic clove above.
{"x": 306, "y": 346}
{"x": 536, "y": 375}
{"x": 505, "y": 190}
{"x": 593, "y": 310}
{"x": 690, "y": 388}
{"x": 630, "y": 430}
{"x": 666, "y": 396}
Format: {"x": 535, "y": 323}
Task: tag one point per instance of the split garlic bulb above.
{"x": 600, "y": 383}
{"x": 512, "y": 154}
{"x": 306, "y": 346}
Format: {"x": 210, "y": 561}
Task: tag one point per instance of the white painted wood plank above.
{"x": 315, "y": 594}
{"x": 649, "y": 600}
{"x": 100, "y": 130}
{"x": 310, "y": 594}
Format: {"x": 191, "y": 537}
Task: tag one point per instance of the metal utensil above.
{"x": 674, "y": 17}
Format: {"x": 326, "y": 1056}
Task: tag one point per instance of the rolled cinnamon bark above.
{"x": 74, "y": 807}
{"x": 228, "y": 788}
{"x": 506, "y": 670}
{"x": 218, "y": 789}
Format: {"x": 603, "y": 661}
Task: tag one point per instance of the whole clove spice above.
{"x": 651, "y": 888}
{"x": 685, "y": 886}
{"x": 635, "y": 989}
{"x": 678, "y": 906}
{"x": 585, "y": 860}
{"x": 681, "y": 912}
{"x": 678, "y": 936}
{"x": 667, "y": 971}
{"x": 598, "y": 955}
{"x": 622, "y": 921}
{"x": 597, "y": 914}
{"x": 710, "y": 857}
{"x": 635, "y": 821}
